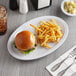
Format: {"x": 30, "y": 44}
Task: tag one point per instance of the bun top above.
{"x": 25, "y": 40}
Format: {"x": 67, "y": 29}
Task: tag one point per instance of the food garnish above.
{"x": 70, "y": 6}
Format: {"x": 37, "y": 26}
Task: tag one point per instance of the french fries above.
{"x": 47, "y": 32}
{"x": 35, "y": 27}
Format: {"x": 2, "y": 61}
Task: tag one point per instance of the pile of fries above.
{"x": 47, "y": 32}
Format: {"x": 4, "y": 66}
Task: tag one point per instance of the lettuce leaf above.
{"x": 28, "y": 51}
{"x": 15, "y": 45}
{"x": 35, "y": 45}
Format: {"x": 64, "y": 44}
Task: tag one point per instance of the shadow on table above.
{"x": 30, "y": 6}
{"x": 59, "y": 13}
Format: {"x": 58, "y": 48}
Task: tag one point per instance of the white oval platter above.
{"x": 40, "y": 51}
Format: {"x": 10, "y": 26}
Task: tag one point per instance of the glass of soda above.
{"x": 3, "y": 20}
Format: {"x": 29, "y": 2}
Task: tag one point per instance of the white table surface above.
{"x": 9, "y": 66}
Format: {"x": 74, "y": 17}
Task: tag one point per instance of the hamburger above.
{"x": 25, "y": 41}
